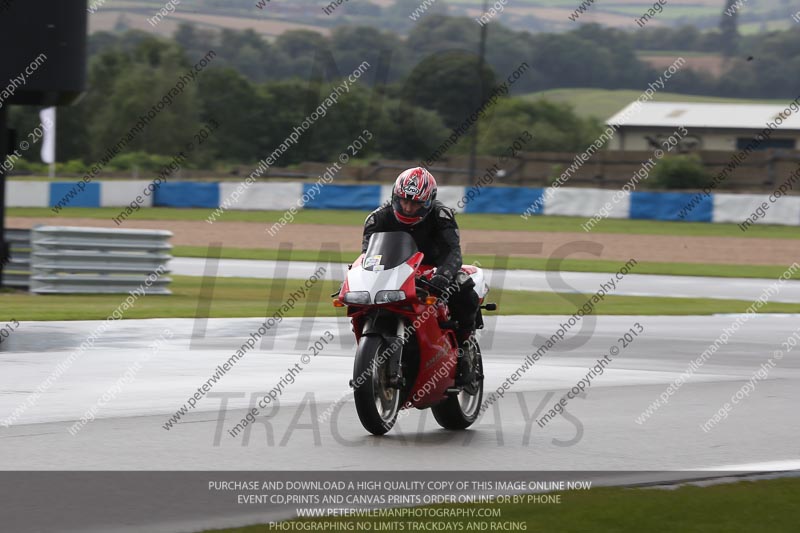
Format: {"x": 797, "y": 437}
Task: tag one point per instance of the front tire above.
{"x": 377, "y": 404}
{"x": 462, "y": 410}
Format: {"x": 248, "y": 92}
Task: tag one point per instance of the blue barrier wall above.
{"x": 509, "y": 200}
{"x": 678, "y": 206}
{"x": 89, "y": 197}
{"x": 187, "y": 194}
{"x": 358, "y": 197}
{"x": 670, "y": 206}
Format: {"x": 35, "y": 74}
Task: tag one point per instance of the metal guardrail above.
{"x": 69, "y": 260}
{"x": 17, "y": 272}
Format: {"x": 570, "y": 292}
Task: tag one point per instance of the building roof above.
{"x": 705, "y": 115}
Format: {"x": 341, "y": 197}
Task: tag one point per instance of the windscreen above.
{"x": 388, "y": 250}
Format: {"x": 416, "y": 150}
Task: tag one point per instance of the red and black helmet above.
{"x": 419, "y": 186}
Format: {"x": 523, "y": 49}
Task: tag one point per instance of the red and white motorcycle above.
{"x": 407, "y": 349}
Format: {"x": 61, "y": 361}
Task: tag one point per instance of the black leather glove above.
{"x": 440, "y": 281}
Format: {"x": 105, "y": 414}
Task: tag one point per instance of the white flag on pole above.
{"x": 48, "y": 119}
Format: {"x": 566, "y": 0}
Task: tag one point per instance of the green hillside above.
{"x": 532, "y": 15}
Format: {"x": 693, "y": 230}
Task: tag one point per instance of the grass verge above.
{"x": 247, "y": 297}
{"x": 465, "y": 221}
{"x": 766, "y": 506}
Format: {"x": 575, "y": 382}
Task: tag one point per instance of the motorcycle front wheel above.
{"x": 377, "y": 403}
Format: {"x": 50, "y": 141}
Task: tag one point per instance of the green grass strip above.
{"x": 766, "y": 506}
{"x": 465, "y": 221}
{"x": 250, "y": 297}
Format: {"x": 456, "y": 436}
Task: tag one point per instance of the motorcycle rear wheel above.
{"x": 377, "y": 404}
{"x": 462, "y": 410}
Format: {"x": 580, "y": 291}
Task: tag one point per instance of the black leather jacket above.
{"x": 436, "y": 236}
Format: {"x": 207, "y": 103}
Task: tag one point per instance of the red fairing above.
{"x": 345, "y": 285}
{"x": 408, "y": 349}
{"x": 410, "y": 285}
{"x": 438, "y": 358}
{"x": 437, "y": 347}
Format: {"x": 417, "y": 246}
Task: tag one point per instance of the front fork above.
{"x": 391, "y": 328}
{"x": 396, "y": 378}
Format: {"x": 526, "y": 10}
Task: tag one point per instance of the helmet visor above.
{"x": 409, "y": 208}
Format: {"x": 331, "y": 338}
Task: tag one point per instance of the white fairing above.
{"x": 359, "y": 279}
{"x": 481, "y": 287}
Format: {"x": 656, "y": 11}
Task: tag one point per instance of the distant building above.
{"x": 723, "y": 127}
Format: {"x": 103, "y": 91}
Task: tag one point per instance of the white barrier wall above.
{"x": 585, "y": 203}
{"x": 737, "y": 208}
{"x": 263, "y": 196}
{"x": 27, "y": 193}
{"x": 280, "y": 196}
{"x": 120, "y": 193}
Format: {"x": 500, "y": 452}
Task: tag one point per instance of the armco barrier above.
{"x": 17, "y": 272}
{"x": 66, "y": 260}
{"x": 280, "y": 196}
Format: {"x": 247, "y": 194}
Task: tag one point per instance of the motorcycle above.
{"x": 407, "y": 350}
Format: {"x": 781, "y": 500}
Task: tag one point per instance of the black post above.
{"x": 4, "y": 140}
{"x": 44, "y": 52}
{"x": 473, "y": 152}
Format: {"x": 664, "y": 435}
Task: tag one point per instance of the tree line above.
{"x": 416, "y": 91}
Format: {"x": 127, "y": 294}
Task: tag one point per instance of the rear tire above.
{"x": 377, "y": 404}
{"x": 461, "y": 411}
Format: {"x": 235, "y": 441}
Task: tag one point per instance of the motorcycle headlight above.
{"x": 357, "y": 297}
{"x": 385, "y": 297}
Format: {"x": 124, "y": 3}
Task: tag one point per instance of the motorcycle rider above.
{"x": 414, "y": 209}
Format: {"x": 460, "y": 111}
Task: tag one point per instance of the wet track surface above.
{"x": 596, "y": 432}
{"x": 596, "y": 438}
